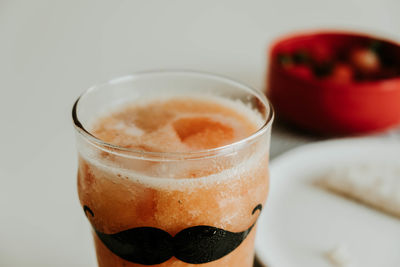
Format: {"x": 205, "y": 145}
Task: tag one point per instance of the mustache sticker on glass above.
{"x": 195, "y": 245}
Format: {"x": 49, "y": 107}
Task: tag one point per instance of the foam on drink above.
{"x": 177, "y": 124}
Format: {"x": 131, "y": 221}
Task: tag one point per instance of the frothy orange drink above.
{"x": 180, "y": 212}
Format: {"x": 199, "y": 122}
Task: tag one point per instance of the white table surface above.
{"x": 50, "y": 51}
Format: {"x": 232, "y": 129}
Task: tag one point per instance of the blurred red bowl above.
{"x": 326, "y": 107}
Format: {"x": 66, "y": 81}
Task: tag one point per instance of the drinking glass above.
{"x": 172, "y": 208}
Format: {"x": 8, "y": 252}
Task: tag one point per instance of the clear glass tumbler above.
{"x": 172, "y": 208}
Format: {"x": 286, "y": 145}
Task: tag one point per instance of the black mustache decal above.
{"x": 195, "y": 245}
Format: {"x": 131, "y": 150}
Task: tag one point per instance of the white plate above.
{"x": 300, "y": 222}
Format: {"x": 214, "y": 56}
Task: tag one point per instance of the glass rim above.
{"x": 203, "y": 153}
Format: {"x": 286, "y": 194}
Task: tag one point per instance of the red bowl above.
{"x": 332, "y": 108}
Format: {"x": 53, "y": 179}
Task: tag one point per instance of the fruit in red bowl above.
{"x": 336, "y": 83}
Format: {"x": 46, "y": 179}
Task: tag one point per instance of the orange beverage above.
{"x": 176, "y": 177}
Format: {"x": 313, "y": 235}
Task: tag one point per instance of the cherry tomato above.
{"x": 321, "y": 53}
{"x": 341, "y": 73}
{"x": 365, "y": 60}
{"x": 301, "y": 71}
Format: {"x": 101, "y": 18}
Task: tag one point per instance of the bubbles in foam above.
{"x": 178, "y": 124}
{"x": 131, "y": 129}
{"x": 152, "y": 126}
